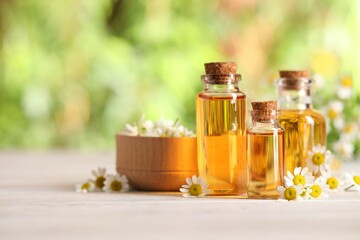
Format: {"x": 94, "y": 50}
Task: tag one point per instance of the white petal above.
{"x": 184, "y": 190}
{"x": 297, "y": 171}
{"x": 187, "y": 195}
{"x": 194, "y": 179}
{"x": 289, "y": 184}
{"x": 188, "y": 181}
{"x": 348, "y": 175}
{"x": 287, "y": 179}
{"x": 304, "y": 171}
{"x": 310, "y": 154}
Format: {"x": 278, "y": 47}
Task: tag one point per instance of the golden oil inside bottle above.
{"x": 265, "y": 158}
{"x": 303, "y": 130}
{"x": 221, "y": 136}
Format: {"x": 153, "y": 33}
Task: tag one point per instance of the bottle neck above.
{"x": 291, "y": 99}
{"x": 265, "y": 126}
{"x": 221, "y": 88}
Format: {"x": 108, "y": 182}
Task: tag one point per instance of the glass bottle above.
{"x": 304, "y": 126}
{"x": 265, "y": 151}
{"x": 221, "y": 130}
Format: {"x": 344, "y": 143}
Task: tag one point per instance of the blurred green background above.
{"x": 72, "y": 73}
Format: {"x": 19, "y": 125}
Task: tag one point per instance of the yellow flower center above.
{"x": 195, "y": 190}
{"x": 116, "y": 186}
{"x": 332, "y": 113}
{"x": 86, "y": 186}
{"x": 299, "y": 179}
{"x": 315, "y": 191}
{"x": 348, "y": 128}
{"x": 318, "y": 159}
{"x": 303, "y": 194}
{"x": 357, "y": 180}
{"x": 346, "y": 82}
{"x": 290, "y": 193}
{"x": 99, "y": 182}
{"x": 332, "y": 182}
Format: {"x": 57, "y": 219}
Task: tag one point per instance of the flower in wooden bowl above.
{"x": 156, "y": 156}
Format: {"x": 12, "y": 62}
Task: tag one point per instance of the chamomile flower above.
{"x": 352, "y": 181}
{"x": 350, "y": 130}
{"x": 290, "y": 193}
{"x": 116, "y": 183}
{"x": 334, "y": 113}
{"x": 170, "y": 128}
{"x": 131, "y": 130}
{"x": 196, "y": 187}
{"x": 319, "y": 190}
{"x": 184, "y": 132}
{"x": 160, "y": 128}
{"x": 99, "y": 180}
{"x": 85, "y": 187}
{"x": 345, "y": 90}
{"x": 317, "y": 157}
{"x": 345, "y": 148}
{"x": 318, "y": 81}
{"x": 334, "y": 181}
{"x": 301, "y": 176}
{"x": 145, "y": 127}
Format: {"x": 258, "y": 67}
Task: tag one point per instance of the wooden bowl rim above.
{"x": 146, "y": 137}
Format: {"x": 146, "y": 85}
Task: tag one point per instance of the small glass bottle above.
{"x": 265, "y": 151}
{"x": 221, "y": 130}
{"x": 304, "y": 126}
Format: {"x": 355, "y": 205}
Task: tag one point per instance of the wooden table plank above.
{"x": 37, "y": 201}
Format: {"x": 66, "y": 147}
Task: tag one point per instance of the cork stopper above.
{"x": 294, "y": 80}
{"x": 218, "y": 68}
{"x": 264, "y": 111}
{"x": 265, "y": 106}
{"x": 293, "y": 74}
{"x": 220, "y": 73}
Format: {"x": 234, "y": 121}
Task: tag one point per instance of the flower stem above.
{"x": 346, "y": 189}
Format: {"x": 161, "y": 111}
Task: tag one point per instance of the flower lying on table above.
{"x": 333, "y": 180}
{"x": 102, "y": 182}
{"x": 196, "y": 187}
{"x": 160, "y": 128}
{"x": 100, "y": 176}
{"x": 301, "y": 176}
{"x": 85, "y": 187}
{"x": 116, "y": 183}
{"x": 352, "y": 181}
{"x": 290, "y": 193}
{"x": 301, "y": 185}
{"x": 318, "y": 157}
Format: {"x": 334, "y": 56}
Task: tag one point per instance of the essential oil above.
{"x": 265, "y": 151}
{"x": 221, "y": 130}
{"x": 304, "y": 126}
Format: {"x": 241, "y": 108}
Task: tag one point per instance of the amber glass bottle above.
{"x": 265, "y": 151}
{"x": 304, "y": 126}
{"x": 221, "y": 130}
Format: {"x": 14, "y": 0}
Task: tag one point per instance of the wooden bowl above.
{"x": 156, "y": 163}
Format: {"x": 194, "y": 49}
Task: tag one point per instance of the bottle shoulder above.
{"x": 265, "y": 128}
{"x": 221, "y": 95}
{"x": 265, "y": 131}
{"x": 305, "y": 115}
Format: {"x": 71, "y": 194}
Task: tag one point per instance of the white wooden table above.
{"x": 38, "y": 201}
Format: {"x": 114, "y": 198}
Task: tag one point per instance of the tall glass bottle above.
{"x": 265, "y": 151}
{"x": 304, "y": 126}
{"x": 221, "y": 136}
